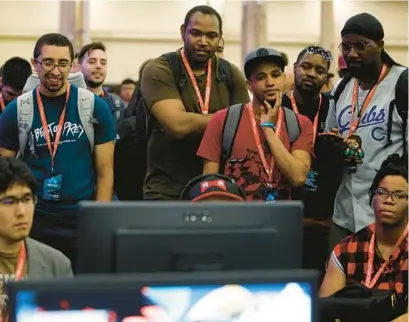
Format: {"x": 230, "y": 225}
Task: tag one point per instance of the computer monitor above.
{"x": 130, "y": 237}
{"x": 175, "y": 297}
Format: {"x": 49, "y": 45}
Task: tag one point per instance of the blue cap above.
{"x": 263, "y": 54}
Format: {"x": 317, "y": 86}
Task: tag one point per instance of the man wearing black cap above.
{"x": 262, "y": 160}
{"x": 369, "y": 110}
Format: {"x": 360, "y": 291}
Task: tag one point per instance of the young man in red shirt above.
{"x": 262, "y": 161}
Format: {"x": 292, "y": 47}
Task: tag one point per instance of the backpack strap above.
{"x": 340, "y": 88}
{"x": 178, "y": 72}
{"x": 85, "y": 103}
{"x": 225, "y": 74}
{"x": 230, "y": 126}
{"x": 401, "y": 103}
{"x": 25, "y": 115}
{"x": 116, "y": 103}
{"x": 292, "y": 123}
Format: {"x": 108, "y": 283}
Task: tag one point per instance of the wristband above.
{"x": 268, "y": 124}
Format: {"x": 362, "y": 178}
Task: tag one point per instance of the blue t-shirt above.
{"x": 74, "y": 159}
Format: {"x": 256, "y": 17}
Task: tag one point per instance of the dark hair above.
{"x": 394, "y": 165}
{"x": 53, "y": 39}
{"x": 1, "y": 69}
{"x": 15, "y": 73}
{"x": 316, "y": 50}
{"x": 127, "y": 81}
{"x": 15, "y": 172}
{"x": 206, "y": 10}
{"x": 90, "y": 47}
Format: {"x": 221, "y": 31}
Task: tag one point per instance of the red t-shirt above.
{"x": 245, "y": 165}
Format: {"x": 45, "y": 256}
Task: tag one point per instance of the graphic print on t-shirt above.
{"x": 71, "y": 133}
{"x": 4, "y": 280}
{"x": 249, "y": 174}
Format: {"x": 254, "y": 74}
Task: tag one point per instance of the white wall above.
{"x": 137, "y": 30}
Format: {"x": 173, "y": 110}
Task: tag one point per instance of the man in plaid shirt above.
{"x": 377, "y": 255}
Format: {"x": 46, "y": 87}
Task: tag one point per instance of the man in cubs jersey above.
{"x": 368, "y": 115}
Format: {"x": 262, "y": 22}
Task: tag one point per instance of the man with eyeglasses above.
{"x": 377, "y": 255}
{"x": 369, "y": 106}
{"x": 71, "y": 160}
{"x": 22, "y": 257}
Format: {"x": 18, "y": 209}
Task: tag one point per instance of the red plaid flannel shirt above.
{"x": 351, "y": 256}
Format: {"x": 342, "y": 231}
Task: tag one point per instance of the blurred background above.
{"x": 134, "y": 31}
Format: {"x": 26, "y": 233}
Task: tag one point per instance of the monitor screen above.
{"x": 233, "y": 302}
{"x": 63, "y": 316}
{"x": 185, "y": 236}
{"x": 174, "y": 297}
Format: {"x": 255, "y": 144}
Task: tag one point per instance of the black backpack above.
{"x": 136, "y": 127}
{"x": 400, "y": 101}
{"x": 231, "y": 124}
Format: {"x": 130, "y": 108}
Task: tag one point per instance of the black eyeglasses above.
{"x": 395, "y": 195}
{"x": 326, "y": 54}
{"x": 14, "y": 201}
{"x": 49, "y": 65}
{"x": 359, "y": 46}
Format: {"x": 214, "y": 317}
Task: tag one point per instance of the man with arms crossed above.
{"x": 182, "y": 117}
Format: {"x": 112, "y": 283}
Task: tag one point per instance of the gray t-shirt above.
{"x": 351, "y": 209}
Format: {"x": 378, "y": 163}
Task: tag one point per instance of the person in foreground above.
{"x": 22, "y": 257}
{"x": 377, "y": 255}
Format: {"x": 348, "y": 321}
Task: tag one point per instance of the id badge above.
{"x": 310, "y": 184}
{"x": 270, "y": 195}
{"x": 52, "y": 187}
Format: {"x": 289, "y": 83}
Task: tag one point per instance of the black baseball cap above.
{"x": 262, "y": 54}
{"x": 204, "y": 186}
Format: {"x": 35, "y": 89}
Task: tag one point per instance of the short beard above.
{"x": 92, "y": 84}
{"x": 54, "y": 90}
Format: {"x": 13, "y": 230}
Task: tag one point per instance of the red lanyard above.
{"x": 267, "y": 169}
{"x": 204, "y": 106}
{"x": 315, "y": 124}
{"x": 355, "y": 123}
{"x": 45, "y": 125}
{"x": 21, "y": 262}
{"x": 2, "y": 103}
{"x": 370, "y": 283}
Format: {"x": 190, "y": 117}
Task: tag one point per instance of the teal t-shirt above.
{"x": 74, "y": 159}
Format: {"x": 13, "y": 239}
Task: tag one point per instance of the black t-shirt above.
{"x": 318, "y": 204}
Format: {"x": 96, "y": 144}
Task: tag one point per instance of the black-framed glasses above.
{"x": 10, "y": 201}
{"x": 395, "y": 195}
{"x": 326, "y": 54}
{"x": 49, "y": 65}
{"x": 359, "y": 46}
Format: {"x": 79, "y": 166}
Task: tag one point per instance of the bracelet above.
{"x": 268, "y": 124}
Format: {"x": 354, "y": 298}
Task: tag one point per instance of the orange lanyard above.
{"x": 204, "y": 106}
{"x": 45, "y": 125}
{"x": 355, "y": 123}
{"x": 2, "y": 103}
{"x": 369, "y": 281}
{"x": 256, "y": 135}
{"x": 315, "y": 124}
{"x": 21, "y": 261}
